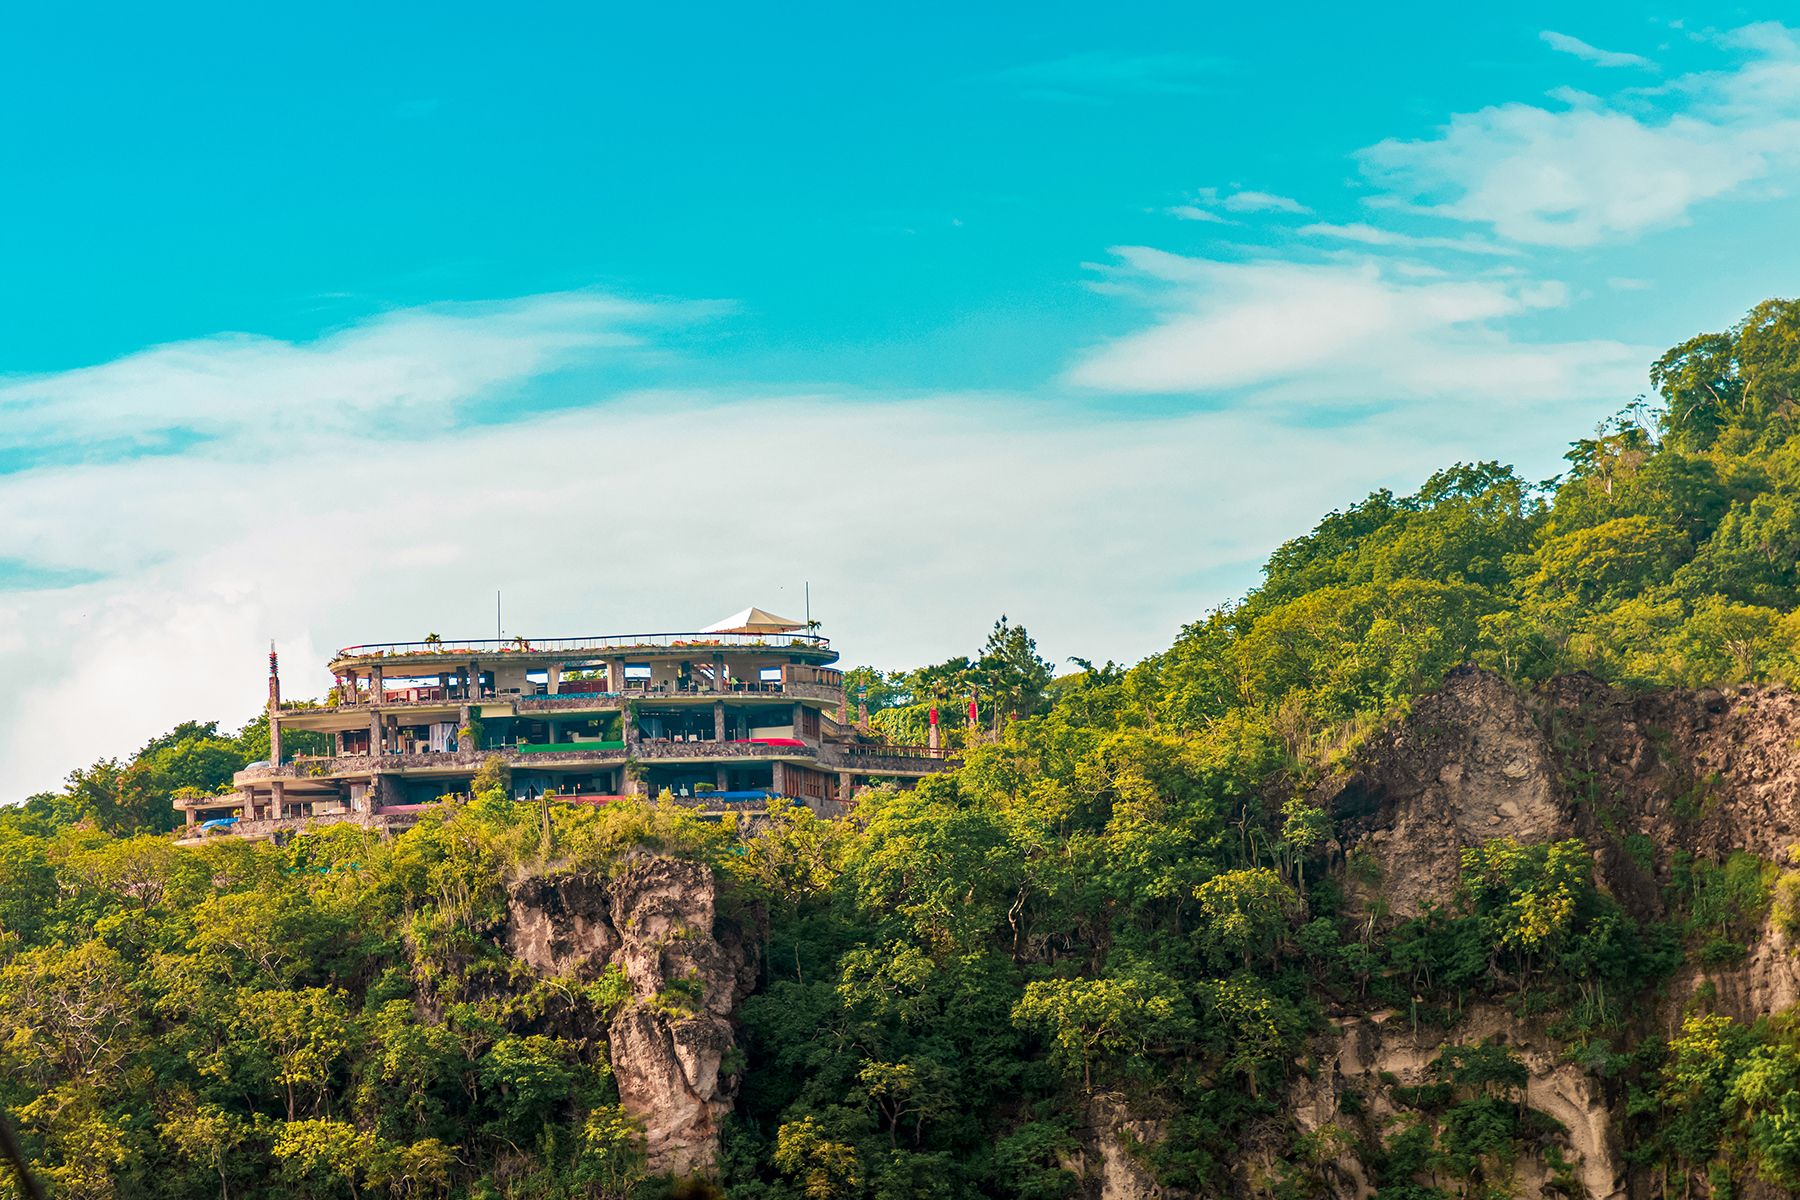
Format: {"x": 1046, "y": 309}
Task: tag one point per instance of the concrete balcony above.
{"x": 273, "y": 828}
{"x": 706, "y": 751}
{"x": 541, "y": 756}
{"x": 874, "y": 758}
{"x": 569, "y": 699}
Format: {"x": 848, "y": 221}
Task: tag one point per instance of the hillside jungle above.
{"x": 1127, "y": 891}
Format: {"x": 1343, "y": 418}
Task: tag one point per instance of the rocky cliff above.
{"x": 1701, "y": 774}
{"x": 687, "y": 967}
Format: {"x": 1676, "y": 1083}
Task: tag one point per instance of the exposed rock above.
{"x": 688, "y": 968}
{"x": 1468, "y": 764}
{"x": 1109, "y": 1164}
{"x": 1373, "y": 1054}
{"x": 1636, "y": 774}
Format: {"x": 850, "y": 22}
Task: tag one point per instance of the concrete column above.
{"x": 846, "y": 787}
{"x": 274, "y": 708}
{"x": 555, "y": 679}
{"x": 719, "y": 779}
{"x": 376, "y": 693}
{"x": 375, "y": 733}
{"x": 277, "y": 799}
{"x": 615, "y": 675}
{"x": 778, "y": 778}
{"x": 718, "y": 720}
{"x": 190, "y": 819}
{"x": 474, "y": 679}
{"x": 718, "y": 666}
{"x": 799, "y": 720}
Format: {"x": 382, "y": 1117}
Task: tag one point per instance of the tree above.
{"x": 1602, "y": 565}
{"x": 324, "y": 1156}
{"x": 1527, "y": 897}
{"x": 1089, "y": 1021}
{"x": 1699, "y": 383}
{"x": 1011, "y": 675}
{"x": 1243, "y": 914}
{"x": 824, "y": 1169}
{"x": 298, "y": 1040}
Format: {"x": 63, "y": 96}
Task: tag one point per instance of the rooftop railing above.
{"x": 572, "y": 694}
{"x": 615, "y": 641}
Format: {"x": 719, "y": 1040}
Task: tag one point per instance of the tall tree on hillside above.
{"x": 1010, "y": 673}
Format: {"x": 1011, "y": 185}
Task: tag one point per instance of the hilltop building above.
{"x": 730, "y": 715}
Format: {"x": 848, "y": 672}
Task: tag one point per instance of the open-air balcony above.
{"x": 810, "y": 684}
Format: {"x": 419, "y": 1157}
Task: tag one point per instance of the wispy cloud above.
{"x": 1609, "y": 169}
{"x": 407, "y": 369}
{"x": 1371, "y": 235}
{"x": 1250, "y": 201}
{"x": 1593, "y": 54}
{"x": 1190, "y": 212}
{"x": 1361, "y": 333}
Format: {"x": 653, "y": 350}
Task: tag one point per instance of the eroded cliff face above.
{"x": 687, "y": 966}
{"x": 1374, "y": 1056}
{"x": 1470, "y": 764}
{"x": 1705, "y": 772}
{"x": 1109, "y": 1163}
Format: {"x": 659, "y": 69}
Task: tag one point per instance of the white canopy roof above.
{"x": 754, "y": 620}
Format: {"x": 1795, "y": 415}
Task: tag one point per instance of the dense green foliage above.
{"x": 1123, "y": 893}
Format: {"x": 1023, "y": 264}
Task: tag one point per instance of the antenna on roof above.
{"x": 497, "y": 634}
{"x": 808, "y": 587}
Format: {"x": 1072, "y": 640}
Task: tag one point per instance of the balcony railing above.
{"x": 540, "y": 698}
{"x": 615, "y": 641}
{"x": 321, "y": 766}
{"x": 883, "y": 750}
{"x": 876, "y": 758}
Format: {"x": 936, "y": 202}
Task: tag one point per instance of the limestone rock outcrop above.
{"x": 1705, "y": 772}
{"x": 688, "y": 966}
{"x": 1469, "y": 764}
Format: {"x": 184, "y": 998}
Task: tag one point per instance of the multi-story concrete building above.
{"x": 744, "y": 710}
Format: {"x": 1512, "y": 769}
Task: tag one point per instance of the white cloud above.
{"x": 405, "y": 368}
{"x": 1371, "y": 235}
{"x": 1263, "y": 202}
{"x": 1190, "y": 212}
{"x": 1360, "y": 332}
{"x": 1608, "y": 169}
{"x": 1593, "y": 54}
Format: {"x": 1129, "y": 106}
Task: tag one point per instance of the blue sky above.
{"x": 321, "y": 324}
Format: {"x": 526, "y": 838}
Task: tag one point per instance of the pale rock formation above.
{"x": 688, "y": 968}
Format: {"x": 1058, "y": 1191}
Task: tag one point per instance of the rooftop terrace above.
{"x": 588, "y": 644}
